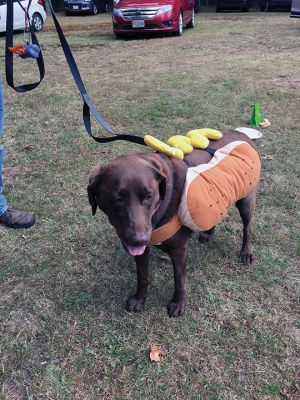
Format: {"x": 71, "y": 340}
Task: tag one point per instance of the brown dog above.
{"x": 141, "y": 191}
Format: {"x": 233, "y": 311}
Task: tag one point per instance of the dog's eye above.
{"x": 148, "y": 196}
{"x": 118, "y": 200}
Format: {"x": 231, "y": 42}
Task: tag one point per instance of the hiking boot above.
{"x": 17, "y": 219}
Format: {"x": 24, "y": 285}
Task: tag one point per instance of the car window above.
{"x": 2, "y": 2}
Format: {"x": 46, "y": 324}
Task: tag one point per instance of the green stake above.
{"x": 256, "y": 117}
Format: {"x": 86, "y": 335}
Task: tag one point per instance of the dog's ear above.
{"x": 94, "y": 182}
{"x": 160, "y": 176}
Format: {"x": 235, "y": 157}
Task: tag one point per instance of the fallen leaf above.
{"x": 265, "y": 123}
{"x": 268, "y": 157}
{"x": 155, "y": 353}
{"x": 27, "y": 147}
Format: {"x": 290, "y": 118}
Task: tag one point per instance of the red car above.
{"x": 146, "y": 16}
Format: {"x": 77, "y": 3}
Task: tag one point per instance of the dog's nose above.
{"x": 140, "y": 239}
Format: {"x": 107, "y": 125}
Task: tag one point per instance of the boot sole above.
{"x": 18, "y": 226}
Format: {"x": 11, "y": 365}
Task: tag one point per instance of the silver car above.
{"x": 295, "y": 10}
{"x": 37, "y": 15}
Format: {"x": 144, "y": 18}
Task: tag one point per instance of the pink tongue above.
{"x": 136, "y": 251}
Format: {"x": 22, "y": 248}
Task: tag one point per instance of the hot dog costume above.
{"x": 211, "y": 189}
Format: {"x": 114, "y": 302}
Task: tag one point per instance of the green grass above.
{"x": 64, "y": 331}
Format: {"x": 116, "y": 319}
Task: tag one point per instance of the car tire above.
{"x": 67, "y": 13}
{"x": 191, "y": 24}
{"x": 246, "y": 7}
{"x": 179, "y": 31}
{"x": 120, "y": 35}
{"x": 37, "y": 22}
{"x": 268, "y": 6}
{"x": 197, "y": 6}
{"x": 95, "y": 9}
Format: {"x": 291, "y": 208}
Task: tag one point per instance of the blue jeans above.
{"x": 3, "y": 204}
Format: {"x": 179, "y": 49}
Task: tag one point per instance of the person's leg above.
{"x": 8, "y": 217}
{"x": 3, "y": 204}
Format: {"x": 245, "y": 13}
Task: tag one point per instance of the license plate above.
{"x": 75, "y": 7}
{"x": 138, "y": 23}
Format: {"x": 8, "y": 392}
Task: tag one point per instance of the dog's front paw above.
{"x": 176, "y": 309}
{"x": 135, "y": 303}
{"x": 247, "y": 257}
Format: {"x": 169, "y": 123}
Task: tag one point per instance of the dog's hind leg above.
{"x": 206, "y": 235}
{"x": 136, "y": 302}
{"x": 246, "y": 208}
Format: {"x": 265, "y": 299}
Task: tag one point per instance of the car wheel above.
{"x": 269, "y": 6}
{"x": 179, "y": 25}
{"x": 95, "y": 9}
{"x": 67, "y": 13}
{"x": 191, "y": 24}
{"x": 245, "y": 9}
{"x": 106, "y": 8}
{"x": 37, "y": 22}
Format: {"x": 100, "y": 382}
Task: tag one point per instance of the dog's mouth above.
{"x": 134, "y": 250}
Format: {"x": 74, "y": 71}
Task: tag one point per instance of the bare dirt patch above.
{"x": 287, "y": 82}
{"x": 69, "y": 28}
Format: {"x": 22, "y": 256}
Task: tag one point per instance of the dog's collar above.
{"x": 165, "y": 231}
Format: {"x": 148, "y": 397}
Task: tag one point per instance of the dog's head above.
{"x": 129, "y": 191}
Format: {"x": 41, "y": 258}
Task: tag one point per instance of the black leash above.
{"x": 210, "y": 150}
{"x": 9, "y": 57}
{"x": 88, "y": 105}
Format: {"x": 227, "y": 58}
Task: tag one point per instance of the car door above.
{"x": 295, "y": 11}
{"x": 187, "y": 6}
{"x": 19, "y": 14}
{"x": 2, "y": 15}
